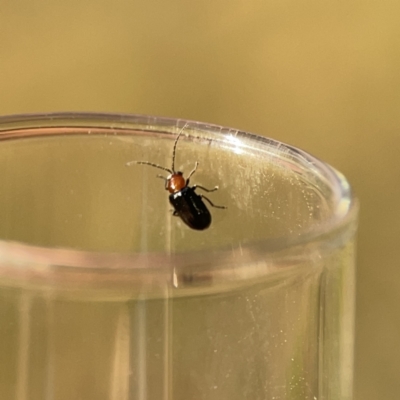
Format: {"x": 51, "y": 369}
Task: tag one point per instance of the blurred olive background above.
{"x": 323, "y": 76}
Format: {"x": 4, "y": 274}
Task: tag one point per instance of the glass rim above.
{"x": 343, "y": 216}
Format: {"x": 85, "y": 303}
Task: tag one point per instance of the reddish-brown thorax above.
{"x": 175, "y": 182}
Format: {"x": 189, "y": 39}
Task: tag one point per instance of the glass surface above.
{"x": 104, "y": 294}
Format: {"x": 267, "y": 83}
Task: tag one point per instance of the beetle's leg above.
{"x": 174, "y": 213}
{"x": 211, "y": 203}
{"x": 205, "y": 189}
{"x": 192, "y": 172}
{"x": 165, "y": 179}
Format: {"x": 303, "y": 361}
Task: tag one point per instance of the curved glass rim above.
{"x": 345, "y": 213}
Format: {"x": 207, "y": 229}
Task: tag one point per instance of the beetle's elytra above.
{"x": 187, "y": 204}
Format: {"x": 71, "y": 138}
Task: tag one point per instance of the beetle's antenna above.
{"x": 176, "y": 142}
{"x": 149, "y": 163}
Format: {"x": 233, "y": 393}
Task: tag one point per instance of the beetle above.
{"x": 187, "y": 204}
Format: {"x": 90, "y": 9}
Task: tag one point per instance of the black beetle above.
{"x": 188, "y": 205}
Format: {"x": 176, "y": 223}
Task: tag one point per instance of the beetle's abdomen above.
{"x": 190, "y": 208}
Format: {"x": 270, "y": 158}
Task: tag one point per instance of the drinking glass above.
{"x": 105, "y": 294}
